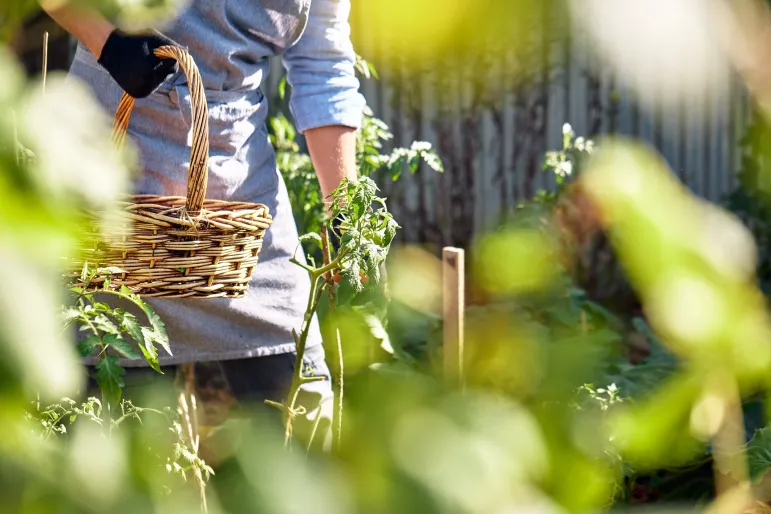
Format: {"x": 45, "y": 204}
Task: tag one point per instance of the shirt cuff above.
{"x": 321, "y": 110}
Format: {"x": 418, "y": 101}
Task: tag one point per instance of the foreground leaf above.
{"x": 759, "y": 453}
{"x": 158, "y": 334}
{"x": 121, "y": 346}
{"x": 109, "y": 377}
{"x": 149, "y": 351}
{"x": 88, "y": 346}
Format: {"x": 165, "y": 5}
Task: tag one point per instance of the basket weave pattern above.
{"x": 174, "y": 246}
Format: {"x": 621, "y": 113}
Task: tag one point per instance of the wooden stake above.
{"x": 453, "y": 293}
{"x": 45, "y": 59}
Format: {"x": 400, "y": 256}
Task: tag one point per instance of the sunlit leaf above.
{"x": 759, "y": 453}
{"x": 109, "y": 376}
{"x": 121, "y": 346}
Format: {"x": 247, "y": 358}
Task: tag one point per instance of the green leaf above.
{"x": 352, "y": 274}
{"x": 311, "y": 236}
{"x": 70, "y": 315}
{"x": 759, "y": 453}
{"x": 345, "y": 293}
{"x": 130, "y": 324}
{"x": 109, "y": 377}
{"x": 282, "y": 87}
{"x": 105, "y": 324}
{"x": 88, "y": 346}
{"x": 145, "y": 344}
{"x": 390, "y": 231}
{"x": 121, "y": 346}
{"x": 373, "y": 271}
{"x": 373, "y": 71}
{"x": 379, "y": 332}
{"x": 149, "y": 351}
{"x": 158, "y": 334}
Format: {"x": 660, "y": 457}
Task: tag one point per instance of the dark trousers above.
{"x": 249, "y": 382}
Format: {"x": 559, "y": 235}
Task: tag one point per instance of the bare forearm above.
{"x": 86, "y": 25}
{"x": 333, "y": 152}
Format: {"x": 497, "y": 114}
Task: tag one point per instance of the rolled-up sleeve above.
{"x": 320, "y": 69}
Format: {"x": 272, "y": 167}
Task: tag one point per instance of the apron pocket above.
{"x": 233, "y": 116}
{"x": 278, "y": 23}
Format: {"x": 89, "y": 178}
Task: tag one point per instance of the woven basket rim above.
{"x": 144, "y": 201}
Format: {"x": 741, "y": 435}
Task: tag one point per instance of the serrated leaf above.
{"x": 131, "y": 325}
{"x": 352, "y": 275}
{"x": 158, "y": 334}
{"x": 70, "y": 315}
{"x": 149, "y": 350}
{"x": 121, "y": 346}
{"x": 373, "y": 271}
{"x": 311, "y": 236}
{"x": 105, "y": 324}
{"x": 379, "y": 332}
{"x": 344, "y": 293}
{"x": 390, "y": 232}
{"x": 759, "y": 453}
{"x": 109, "y": 377}
{"x": 88, "y": 346}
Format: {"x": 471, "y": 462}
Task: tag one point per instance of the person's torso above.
{"x": 231, "y": 42}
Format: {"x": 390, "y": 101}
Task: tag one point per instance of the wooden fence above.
{"x": 492, "y": 119}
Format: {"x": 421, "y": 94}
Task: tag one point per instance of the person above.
{"x": 231, "y": 43}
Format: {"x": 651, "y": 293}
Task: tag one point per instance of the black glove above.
{"x": 130, "y": 61}
{"x": 334, "y": 240}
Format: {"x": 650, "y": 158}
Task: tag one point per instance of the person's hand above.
{"x": 334, "y": 234}
{"x": 130, "y": 61}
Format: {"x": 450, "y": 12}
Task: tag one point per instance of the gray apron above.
{"x": 231, "y": 41}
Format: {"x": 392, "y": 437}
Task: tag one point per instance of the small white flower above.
{"x": 564, "y": 169}
{"x": 566, "y": 129}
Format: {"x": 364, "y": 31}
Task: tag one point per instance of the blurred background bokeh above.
{"x": 605, "y": 167}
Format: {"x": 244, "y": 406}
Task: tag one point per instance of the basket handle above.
{"x": 197, "y": 176}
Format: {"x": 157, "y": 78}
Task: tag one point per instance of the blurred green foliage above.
{"x": 556, "y": 415}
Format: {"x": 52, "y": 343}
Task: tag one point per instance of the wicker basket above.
{"x": 173, "y": 246}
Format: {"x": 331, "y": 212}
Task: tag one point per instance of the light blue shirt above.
{"x": 320, "y": 69}
{"x": 231, "y": 42}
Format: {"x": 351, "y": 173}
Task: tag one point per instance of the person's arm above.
{"x": 333, "y": 152}
{"x": 86, "y": 25}
{"x": 128, "y": 58}
{"x": 325, "y": 101}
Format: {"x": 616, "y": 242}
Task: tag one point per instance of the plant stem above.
{"x": 106, "y": 403}
{"x": 52, "y": 426}
{"x": 730, "y": 461}
{"x": 327, "y": 267}
{"x": 338, "y": 369}
{"x": 297, "y": 378}
{"x": 189, "y": 413}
